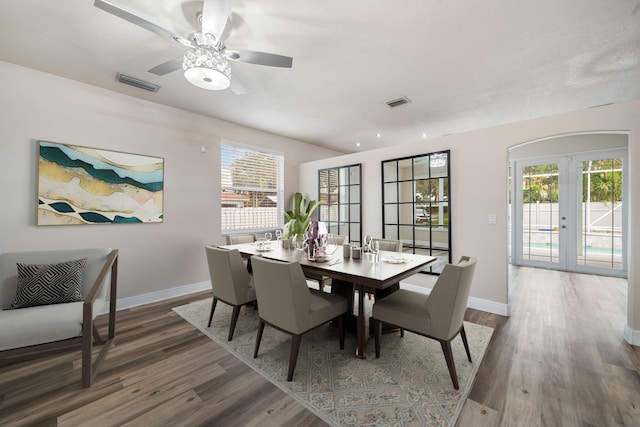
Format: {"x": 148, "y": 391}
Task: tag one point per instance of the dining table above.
{"x": 370, "y": 271}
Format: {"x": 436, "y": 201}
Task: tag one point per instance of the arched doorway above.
{"x": 567, "y": 206}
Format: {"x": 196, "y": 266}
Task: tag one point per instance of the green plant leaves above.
{"x": 300, "y": 216}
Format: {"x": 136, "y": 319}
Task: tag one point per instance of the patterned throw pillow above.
{"x": 42, "y": 284}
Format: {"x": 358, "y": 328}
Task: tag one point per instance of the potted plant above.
{"x": 299, "y": 217}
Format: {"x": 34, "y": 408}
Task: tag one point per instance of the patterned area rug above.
{"x": 409, "y": 385}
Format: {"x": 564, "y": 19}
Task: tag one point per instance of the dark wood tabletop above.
{"x": 378, "y": 274}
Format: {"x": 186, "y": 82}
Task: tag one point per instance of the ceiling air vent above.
{"x": 141, "y": 84}
{"x": 398, "y": 102}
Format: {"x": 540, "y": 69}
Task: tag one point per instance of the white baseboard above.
{"x": 632, "y": 336}
{"x": 128, "y": 302}
{"x": 475, "y": 303}
{"x": 488, "y": 306}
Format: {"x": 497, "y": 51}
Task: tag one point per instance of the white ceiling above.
{"x": 464, "y": 64}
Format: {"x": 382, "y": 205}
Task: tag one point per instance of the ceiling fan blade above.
{"x": 259, "y": 58}
{"x": 130, "y": 16}
{"x": 236, "y": 86}
{"x": 214, "y": 16}
{"x": 167, "y": 67}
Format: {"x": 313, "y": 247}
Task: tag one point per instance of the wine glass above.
{"x": 267, "y": 237}
{"x": 278, "y": 234}
{"x": 298, "y": 241}
{"x": 331, "y": 244}
{"x": 367, "y": 243}
{"x": 375, "y": 249}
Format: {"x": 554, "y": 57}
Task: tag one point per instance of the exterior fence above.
{"x": 249, "y": 218}
{"x": 597, "y": 216}
{"x": 601, "y": 227}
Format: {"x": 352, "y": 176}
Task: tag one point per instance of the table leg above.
{"x": 363, "y": 333}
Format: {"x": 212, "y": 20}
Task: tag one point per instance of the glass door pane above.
{"x": 570, "y": 213}
{"x": 599, "y": 236}
{"x": 540, "y": 213}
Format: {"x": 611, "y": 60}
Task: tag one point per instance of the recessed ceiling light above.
{"x": 424, "y": 134}
{"x": 378, "y": 135}
{"x": 357, "y": 144}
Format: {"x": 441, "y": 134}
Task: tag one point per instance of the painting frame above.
{"x": 80, "y": 185}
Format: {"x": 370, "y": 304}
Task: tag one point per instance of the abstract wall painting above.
{"x": 81, "y": 185}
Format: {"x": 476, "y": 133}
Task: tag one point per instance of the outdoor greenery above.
{"x": 601, "y": 182}
{"x": 606, "y": 182}
{"x": 540, "y": 183}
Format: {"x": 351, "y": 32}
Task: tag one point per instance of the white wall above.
{"x": 479, "y": 170}
{"x": 153, "y": 257}
{"x": 569, "y": 144}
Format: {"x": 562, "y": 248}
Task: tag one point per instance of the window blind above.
{"x": 251, "y": 194}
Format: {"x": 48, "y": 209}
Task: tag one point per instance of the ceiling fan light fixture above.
{"x": 206, "y": 68}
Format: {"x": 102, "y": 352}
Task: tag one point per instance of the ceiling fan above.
{"x": 206, "y": 61}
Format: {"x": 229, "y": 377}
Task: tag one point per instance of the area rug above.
{"x": 409, "y": 385}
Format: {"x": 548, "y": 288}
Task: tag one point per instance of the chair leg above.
{"x": 463, "y": 334}
{"x": 213, "y": 308}
{"x": 377, "y": 332}
{"x": 448, "y": 355}
{"x": 293, "y": 356}
{"x": 97, "y": 338}
{"x": 87, "y": 361}
{"x": 402, "y": 332}
{"x": 234, "y": 320}
{"x": 258, "y": 338}
{"x": 341, "y": 330}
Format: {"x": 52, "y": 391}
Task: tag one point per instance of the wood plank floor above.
{"x": 559, "y": 360}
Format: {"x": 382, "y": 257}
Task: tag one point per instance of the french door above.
{"x": 569, "y": 214}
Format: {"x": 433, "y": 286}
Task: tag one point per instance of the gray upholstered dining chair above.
{"x": 389, "y": 245}
{"x": 231, "y": 282}
{"x": 286, "y": 303}
{"x": 236, "y": 239}
{"x": 340, "y": 239}
{"x": 439, "y": 315}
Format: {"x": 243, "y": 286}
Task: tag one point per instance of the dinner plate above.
{"x": 395, "y": 260}
{"x": 321, "y": 259}
{"x": 265, "y": 249}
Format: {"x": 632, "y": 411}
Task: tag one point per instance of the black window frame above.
{"x": 440, "y": 203}
{"x": 344, "y": 192}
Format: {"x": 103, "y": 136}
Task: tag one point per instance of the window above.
{"x": 416, "y": 210}
{"x": 251, "y": 195}
{"x": 340, "y": 197}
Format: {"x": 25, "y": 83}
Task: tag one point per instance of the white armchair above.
{"x": 39, "y": 328}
